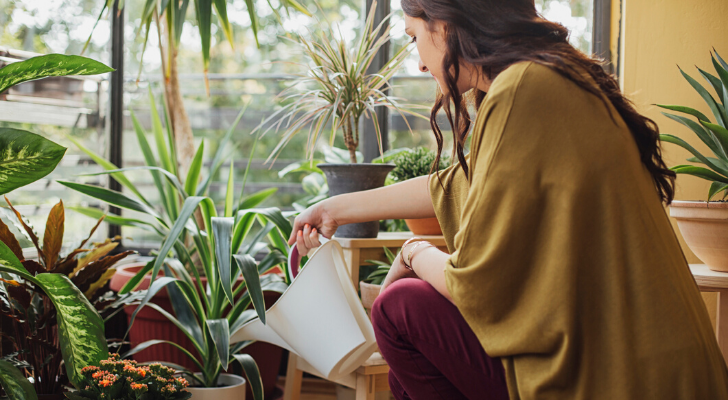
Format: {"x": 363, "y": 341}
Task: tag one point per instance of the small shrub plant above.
{"x": 119, "y": 379}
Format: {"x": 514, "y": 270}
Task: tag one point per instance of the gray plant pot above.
{"x": 348, "y": 178}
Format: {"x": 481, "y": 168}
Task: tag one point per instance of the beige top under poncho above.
{"x": 563, "y": 260}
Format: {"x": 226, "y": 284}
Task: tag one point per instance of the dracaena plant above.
{"x": 198, "y": 242}
{"x": 37, "y": 326}
{"x": 210, "y": 312}
{"x": 338, "y": 90}
{"x": 714, "y": 134}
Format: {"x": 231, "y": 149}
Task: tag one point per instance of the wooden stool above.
{"x": 368, "y": 379}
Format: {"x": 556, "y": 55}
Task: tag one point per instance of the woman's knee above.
{"x": 405, "y": 298}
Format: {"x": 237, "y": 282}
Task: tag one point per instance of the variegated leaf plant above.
{"x": 55, "y": 303}
{"x": 712, "y": 134}
{"x": 26, "y": 157}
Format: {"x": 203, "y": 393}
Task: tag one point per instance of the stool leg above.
{"x": 365, "y": 387}
{"x": 294, "y": 379}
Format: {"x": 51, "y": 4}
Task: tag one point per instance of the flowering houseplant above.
{"x": 125, "y": 380}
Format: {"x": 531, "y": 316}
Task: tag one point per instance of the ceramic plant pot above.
{"x": 348, "y": 178}
{"x": 369, "y": 293}
{"x": 230, "y": 387}
{"x": 705, "y": 229}
{"x": 424, "y": 226}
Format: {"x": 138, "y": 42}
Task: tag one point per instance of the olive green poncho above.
{"x": 563, "y": 260}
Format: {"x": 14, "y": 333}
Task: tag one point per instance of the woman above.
{"x": 564, "y": 278}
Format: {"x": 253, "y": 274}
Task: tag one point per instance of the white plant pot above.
{"x": 230, "y": 387}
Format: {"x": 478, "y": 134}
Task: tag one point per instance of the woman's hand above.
{"x": 397, "y": 272}
{"x": 318, "y": 218}
{"x": 306, "y": 240}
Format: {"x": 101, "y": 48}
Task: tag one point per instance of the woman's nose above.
{"x": 423, "y": 68}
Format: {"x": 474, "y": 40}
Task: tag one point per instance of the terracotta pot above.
{"x": 424, "y": 226}
{"x": 230, "y": 387}
{"x": 369, "y": 293}
{"x": 705, "y": 229}
{"x": 150, "y": 324}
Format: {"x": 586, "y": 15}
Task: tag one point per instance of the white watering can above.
{"x": 319, "y": 317}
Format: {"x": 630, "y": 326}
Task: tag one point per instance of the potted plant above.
{"x": 411, "y": 164}
{"x": 34, "y": 319}
{"x": 126, "y": 380}
{"x": 704, "y": 224}
{"x": 372, "y": 284}
{"x": 209, "y": 299}
{"x": 47, "y": 309}
{"x": 173, "y": 187}
{"x": 339, "y": 91}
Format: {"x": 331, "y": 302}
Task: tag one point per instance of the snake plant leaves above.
{"x": 220, "y": 333}
{"x": 247, "y": 265}
{"x": 49, "y": 65}
{"x": 676, "y": 140}
{"x": 25, "y": 157}
{"x": 252, "y": 373}
{"x": 222, "y": 230}
{"x": 15, "y": 385}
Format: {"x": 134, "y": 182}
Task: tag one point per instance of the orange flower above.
{"x": 98, "y": 374}
{"x": 105, "y": 383}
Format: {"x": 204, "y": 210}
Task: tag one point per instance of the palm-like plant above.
{"x": 338, "y": 88}
{"x": 714, "y": 135}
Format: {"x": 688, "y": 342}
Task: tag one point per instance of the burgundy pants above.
{"x": 431, "y": 351}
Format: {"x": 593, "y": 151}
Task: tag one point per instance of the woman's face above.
{"x": 431, "y": 46}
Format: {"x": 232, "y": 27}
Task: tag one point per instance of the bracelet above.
{"x": 410, "y": 241}
{"x": 412, "y": 255}
{"x": 406, "y": 258}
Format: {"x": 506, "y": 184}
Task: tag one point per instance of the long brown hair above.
{"x": 494, "y": 34}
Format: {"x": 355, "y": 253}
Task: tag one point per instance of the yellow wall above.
{"x": 656, "y": 36}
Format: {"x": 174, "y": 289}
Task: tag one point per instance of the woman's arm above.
{"x": 408, "y": 199}
{"x": 428, "y": 263}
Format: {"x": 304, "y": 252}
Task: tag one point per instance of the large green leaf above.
{"x": 222, "y": 229}
{"x": 26, "y": 157}
{"x": 252, "y": 373}
{"x": 193, "y": 175}
{"x": 249, "y": 268}
{"x": 184, "y": 298}
{"x": 15, "y": 385}
{"x": 49, "y": 65}
{"x": 80, "y": 327}
{"x": 220, "y": 332}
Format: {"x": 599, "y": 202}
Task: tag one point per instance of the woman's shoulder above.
{"x": 531, "y": 78}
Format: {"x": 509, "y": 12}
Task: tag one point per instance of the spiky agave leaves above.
{"x": 713, "y": 135}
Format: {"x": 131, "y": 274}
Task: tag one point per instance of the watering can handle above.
{"x": 293, "y": 267}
